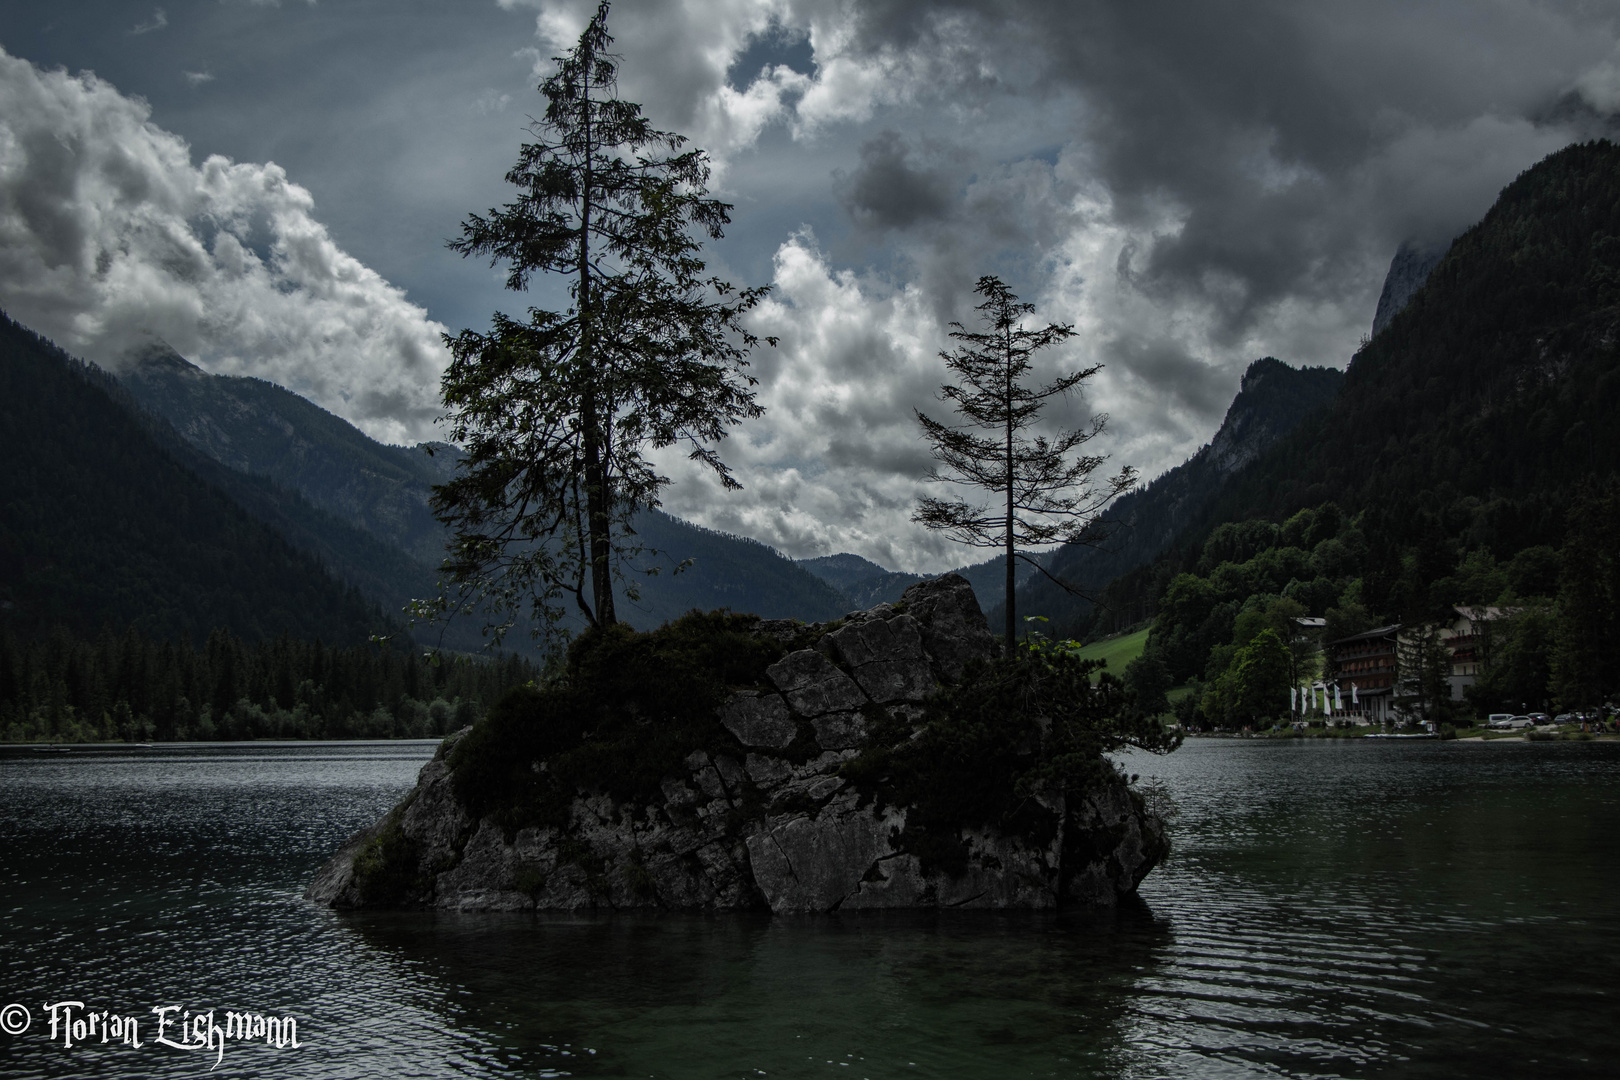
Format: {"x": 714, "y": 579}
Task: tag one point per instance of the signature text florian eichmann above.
{"x": 73, "y": 1023}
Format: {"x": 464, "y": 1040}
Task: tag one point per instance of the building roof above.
{"x": 1484, "y": 612}
{"x": 1378, "y": 632}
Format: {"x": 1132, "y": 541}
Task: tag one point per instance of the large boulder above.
{"x": 952, "y": 624}
{"x": 771, "y": 822}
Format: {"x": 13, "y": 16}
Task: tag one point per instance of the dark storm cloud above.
{"x": 886, "y": 191}
{"x": 1179, "y": 382}
{"x": 1279, "y": 130}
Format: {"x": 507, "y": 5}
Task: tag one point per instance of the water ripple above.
{"x": 1329, "y": 911}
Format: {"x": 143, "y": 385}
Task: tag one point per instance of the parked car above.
{"x": 1495, "y": 718}
{"x": 1512, "y": 723}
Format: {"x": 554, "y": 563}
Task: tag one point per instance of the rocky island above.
{"x": 884, "y": 760}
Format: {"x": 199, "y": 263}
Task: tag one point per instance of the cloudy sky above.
{"x": 268, "y": 187}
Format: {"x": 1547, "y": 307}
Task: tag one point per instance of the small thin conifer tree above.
{"x": 1043, "y": 494}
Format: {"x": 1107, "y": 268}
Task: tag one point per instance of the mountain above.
{"x": 843, "y": 570}
{"x": 727, "y": 571}
{"x": 1471, "y": 423}
{"x": 1273, "y": 400}
{"x": 102, "y": 525}
{"x": 364, "y": 507}
{"x": 865, "y": 584}
{"x": 1408, "y": 270}
{"x": 259, "y": 428}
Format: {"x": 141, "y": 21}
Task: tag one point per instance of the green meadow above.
{"x": 1117, "y": 651}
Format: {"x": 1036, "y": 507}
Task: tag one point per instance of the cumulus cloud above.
{"x": 1193, "y": 186}
{"x": 837, "y": 463}
{"x": 110, "y": 236}
{"x": 491, "y": 101}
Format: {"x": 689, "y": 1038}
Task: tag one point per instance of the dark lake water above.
{"x": 1331, "y": 909}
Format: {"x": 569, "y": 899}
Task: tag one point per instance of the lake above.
{"x": 1343, "y": 909}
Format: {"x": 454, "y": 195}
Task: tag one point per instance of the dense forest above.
{"x": 1273, "y": 399}
{"x": 1227, "y": 624}
{"x": 135, "y": 688}
{"x": 1470, "y": 421}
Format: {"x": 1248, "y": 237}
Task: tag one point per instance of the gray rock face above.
{"x": 885, "y": 655}
{"x": 1408, "y": 270}
{"x": 759, "y": 720}
{"x": 951, "y": 623}
{"x": 813, "y": 685}
{"x": 772, "y": 824}
{"x": 839, "y": 731}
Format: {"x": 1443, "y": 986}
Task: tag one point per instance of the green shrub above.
{"x": 386, "y": 871}
{"x": 1011, "y": 731}
{"x": 624, "y": 712}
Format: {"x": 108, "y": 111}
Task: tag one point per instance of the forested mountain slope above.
{"x": 1408, "y": 270}
{"x": 259, "y": 428}
{"x": 100, "y": 524}
{"x": 865, "y": 584}
{"x": 1471, "y": 458}
{"x": 727, "y": 572}
{"x": 250, "y": 426}
{"x": 1273, "y": 399}
{"x": 1470, "y": 420}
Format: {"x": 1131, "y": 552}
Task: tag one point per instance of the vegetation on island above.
{"x": 1016, "y": 739}
{"x": 617, "y": 716}
{"x": 998, "y": 748}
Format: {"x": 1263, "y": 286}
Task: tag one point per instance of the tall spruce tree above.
{"x": 1423, "y": 663}
{"x": 1585, "y": 670}
{"x": 556, "y": 413}
{"x": 1043, "y": 495}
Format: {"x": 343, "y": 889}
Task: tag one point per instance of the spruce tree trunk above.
{"x": 1012, "y": 614}
{"x": 597, "y": 520}
{"x": 1012, "y": 588}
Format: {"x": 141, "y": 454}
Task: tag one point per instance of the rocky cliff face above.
{"x": 1408, "y": 270}
{"x": 757, "y": 824}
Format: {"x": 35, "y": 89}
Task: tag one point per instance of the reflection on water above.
{"x": 1330, "y": 910}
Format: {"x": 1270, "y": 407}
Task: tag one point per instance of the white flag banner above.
{"x": 1291, "y": 706}
{"x": 1338, "y": 702}
{"x": 1353, "y": 699}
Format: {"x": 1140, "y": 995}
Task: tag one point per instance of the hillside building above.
{"x": 1467, "y": 637}
{"x": 1364, "y": 668}
{"x": 1370, "y": 662}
